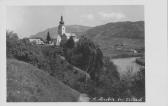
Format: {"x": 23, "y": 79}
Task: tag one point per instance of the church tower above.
{"x": 61, "y": 27}
{"x": 61, "y": 32}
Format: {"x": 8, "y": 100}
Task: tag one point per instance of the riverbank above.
{"x": 140, "y": 61}
{"x": 127, "y": 55}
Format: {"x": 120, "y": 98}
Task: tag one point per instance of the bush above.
{"x": 133, "y": 85}
{"x": 70, "y": 43}
{"x": 23, "y": 50}
{"x": 138, "y": 87}
{"x": 11, "y": 40}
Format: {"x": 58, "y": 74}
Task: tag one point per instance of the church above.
{"x": 62, "y": 35}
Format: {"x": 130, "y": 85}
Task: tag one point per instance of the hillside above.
{"x": 119, "y": 35}
{"x": 77, "y": 29}
{"x": 28, "y": 83}
{"x": 117, "y": 29}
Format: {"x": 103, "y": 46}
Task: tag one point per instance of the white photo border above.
{"x": 156, "y": 49}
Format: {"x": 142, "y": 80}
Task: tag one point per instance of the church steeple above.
{"x": 61, "y": 21}
{"x": 61, "y": 27}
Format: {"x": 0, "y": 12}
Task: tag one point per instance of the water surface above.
{"x": 126, "y": 65}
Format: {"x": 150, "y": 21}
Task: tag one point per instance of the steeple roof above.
{"x": 61, "y": 21}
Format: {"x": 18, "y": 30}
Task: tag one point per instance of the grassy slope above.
{"x": 27, "y": 83}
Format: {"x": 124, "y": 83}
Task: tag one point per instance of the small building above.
{"x": 58, "y": 40}
{"x": 134, "y": 51}
{"x": 36, "y": 41}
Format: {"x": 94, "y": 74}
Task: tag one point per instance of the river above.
{"x": 126, "y": 66}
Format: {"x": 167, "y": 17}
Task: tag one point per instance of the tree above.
{"x": 85, "y": 55}
{"x": 48, "y": 37}
{"x": 11, "y": 35}
{"x": 63, "y": 40}
{"x": 11, "y": 41}
{"x": 70, "y": 43}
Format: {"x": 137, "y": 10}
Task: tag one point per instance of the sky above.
{"x": 29, "y": 20}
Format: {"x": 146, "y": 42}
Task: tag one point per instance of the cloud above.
{"x": 88, "y": 16}
{"x": 111, "y": 16}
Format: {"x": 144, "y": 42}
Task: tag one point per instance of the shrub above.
{"x": 138, "y": 88}
{"x": 11, "y": 40}
{"x": 70, "y": 43}
{"x": 133, "y": 85}
{"x": 23, "y": 50}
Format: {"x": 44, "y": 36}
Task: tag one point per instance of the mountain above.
{"x": 26, "y": 83}
{"x": 117, "y": 29}
{"x": 128, "y": 34}
{"x": 77, "y": 29}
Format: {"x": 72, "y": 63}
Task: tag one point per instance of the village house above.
{"x": 37, "y": 41}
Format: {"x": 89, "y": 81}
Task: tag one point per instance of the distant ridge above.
{"x": 125, "y": 29}
{"x": 77, "y": 29}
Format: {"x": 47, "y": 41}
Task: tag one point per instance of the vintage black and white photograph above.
{"x": 75, "y": 53}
